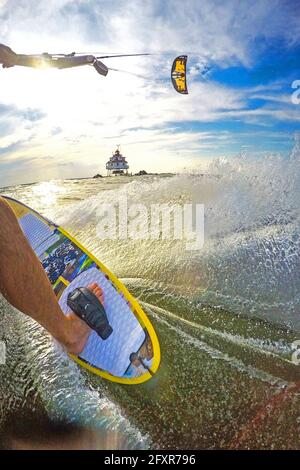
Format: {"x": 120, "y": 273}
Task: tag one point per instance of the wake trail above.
{"x": 251, "y": 371}
{"x": 257, "y": 345}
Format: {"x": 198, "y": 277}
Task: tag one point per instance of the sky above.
{"x": 243, "y": 57}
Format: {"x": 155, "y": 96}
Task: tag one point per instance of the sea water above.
{"x": 227, "y": 315}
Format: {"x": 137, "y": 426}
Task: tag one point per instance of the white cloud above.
{"x": 223, "y": 31}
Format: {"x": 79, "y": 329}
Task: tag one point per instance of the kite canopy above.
{"x": 178, "y": 74}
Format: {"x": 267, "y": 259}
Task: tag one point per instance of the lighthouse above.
{"x": 117, "y": 164}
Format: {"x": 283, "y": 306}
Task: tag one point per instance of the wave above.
{"x": 251, "y": 257}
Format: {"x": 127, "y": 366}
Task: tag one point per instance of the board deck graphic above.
{"x": 69, "y": 265}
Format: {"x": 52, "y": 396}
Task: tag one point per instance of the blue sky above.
{"x": 243, "y": 59}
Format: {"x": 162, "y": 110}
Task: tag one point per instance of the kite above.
{"x": 178, "y": 74}
{"x": 8, "y": 58}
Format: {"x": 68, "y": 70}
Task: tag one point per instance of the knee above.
{"x": 4, "y": 207}
{"x": 6, "y": 213}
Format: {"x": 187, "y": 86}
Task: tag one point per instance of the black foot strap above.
{"x": 89, "y": 308}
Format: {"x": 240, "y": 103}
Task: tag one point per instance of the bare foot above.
{"x": 79, "y": 330}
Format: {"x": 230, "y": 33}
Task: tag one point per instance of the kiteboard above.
{"x": 130, "y": 352}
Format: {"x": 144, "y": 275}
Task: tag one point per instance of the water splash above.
{"x": 225, "y": 362}
{"x": 251, "y": 258}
